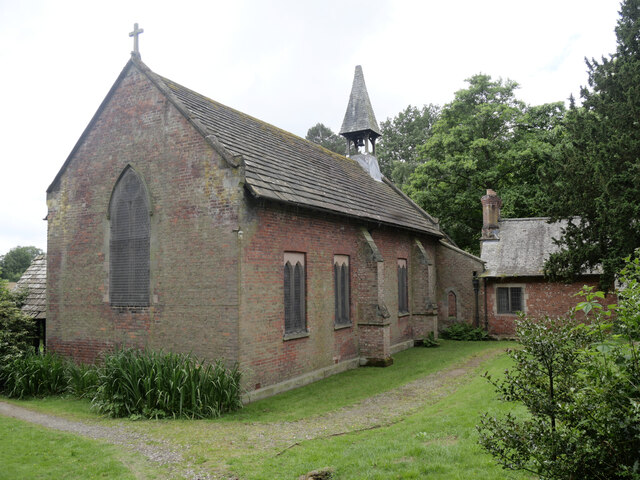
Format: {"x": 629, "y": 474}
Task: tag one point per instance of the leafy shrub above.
{"x": 150, "y": 384}
{"x": 463, "y": 331}
{"x": 17, "y": 331}
{"x": 429, "y": 341}
{"x": 35, "y": 375}
{"x": 579, "y": 384}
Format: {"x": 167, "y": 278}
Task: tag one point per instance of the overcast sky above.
{"x": 289, "y": 63}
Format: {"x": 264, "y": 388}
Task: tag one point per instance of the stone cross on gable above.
{"x": 135, "y": 34}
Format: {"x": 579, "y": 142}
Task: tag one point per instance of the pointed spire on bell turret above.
{"x": 360, "y": 127}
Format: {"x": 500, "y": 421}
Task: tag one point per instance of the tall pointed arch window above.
{"x": 341, "y": 289}
{"x": 295, "y": 319}
{"x": 129, "y": 242}
{"x": 403, "y": 286}
{"x": 452, "y": 307}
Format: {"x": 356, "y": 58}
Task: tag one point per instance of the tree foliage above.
{"x": 598, "y": 176}
{"x": 397, "y": 149}
{"x": 485, "y": 138}
{"x": 579, "y": 384}
{"x": 324, "y": 136}
{"x": 17, "y": 331}
{"x": 16, "y": 261}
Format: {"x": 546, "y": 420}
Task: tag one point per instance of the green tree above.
{"x": 17, "y": 331}
{"x": 579, "y": 385}
{"x": 397, "y": 150}
{"x": 597, "y": 179}
{"x": 16, "y": 261}
{"x": 485, "y": 138}
{"x": 324, "y": 136}
{"x": 542, "y": 379}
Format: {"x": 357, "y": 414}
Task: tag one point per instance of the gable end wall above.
{"x": 195, "y": 199}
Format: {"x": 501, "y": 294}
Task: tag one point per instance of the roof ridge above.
{"x": 251, "y": 117}
{"x": 524, "y": 219}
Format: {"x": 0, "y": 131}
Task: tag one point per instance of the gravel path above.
{"x": 374, "y": 412}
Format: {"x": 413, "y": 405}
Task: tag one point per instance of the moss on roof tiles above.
{"x": 285, "y": 167}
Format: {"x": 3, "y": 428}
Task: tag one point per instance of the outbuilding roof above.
{"x": 34, "y": 279}
{"x": 283, "y": 167}
{"x": 522, "y": 247}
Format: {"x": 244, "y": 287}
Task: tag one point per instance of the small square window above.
{"x": 509, "y": 299}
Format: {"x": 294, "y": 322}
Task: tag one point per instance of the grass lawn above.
{"x": 28, "y": 451}
{"x": 355, "y": 385}
{"x": 438, "y": 441}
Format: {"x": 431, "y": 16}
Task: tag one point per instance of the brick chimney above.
{"x": 491, "y": 204}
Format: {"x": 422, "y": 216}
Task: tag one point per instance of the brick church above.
{"x": 178, "y": 223}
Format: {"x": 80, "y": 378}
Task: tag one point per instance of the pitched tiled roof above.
{"x": 359, "y": 115}
{"x": 281, "y": 166}
{"x": 284, "y": 167}
{"x": 35, "y": 280}
{"x": 523, "y": 247}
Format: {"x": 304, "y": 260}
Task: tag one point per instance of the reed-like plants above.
{"x": 35, "y": 375}
{"x": 82, "y": 379}
{"x": 148, "y": 384}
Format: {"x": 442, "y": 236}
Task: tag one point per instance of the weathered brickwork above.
{"x": 424, "y": 308}
{"x": 270, "y": 231}
{"x": 217, "y": 256}
{"x": 541, "y": 298}
{"x": 194, "y": 199}
{"x": 455, "y": 274}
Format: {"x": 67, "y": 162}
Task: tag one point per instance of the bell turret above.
{"x": 360, "y": 127}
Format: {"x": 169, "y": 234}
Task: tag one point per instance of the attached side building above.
{"x": 515, "y": 251}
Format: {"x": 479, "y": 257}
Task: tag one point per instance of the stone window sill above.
{"x": 342, "y": 326}
{"x": 295, "y": 335}
{"x": 403, "y": 314}
{"x": 130, "y": 309}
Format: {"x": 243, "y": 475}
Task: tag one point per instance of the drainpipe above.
{"x": 486, "y": 318}
{"x": 476, "y": 288}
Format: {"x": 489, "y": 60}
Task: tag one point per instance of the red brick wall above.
{"x": 217, "y": 256}
{"x": 266, "y": 357}
{"x": 455, "y": 274}
{"x": 195, "y": 199}
{"x": 540, "y": 298}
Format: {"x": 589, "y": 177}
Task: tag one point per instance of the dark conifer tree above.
{"x": 597, "y": 179}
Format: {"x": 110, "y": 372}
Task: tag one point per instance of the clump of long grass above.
{"x": 82, "y": 380}
{"x": 142, "y": 383}
{"x": 35, "y": 375}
